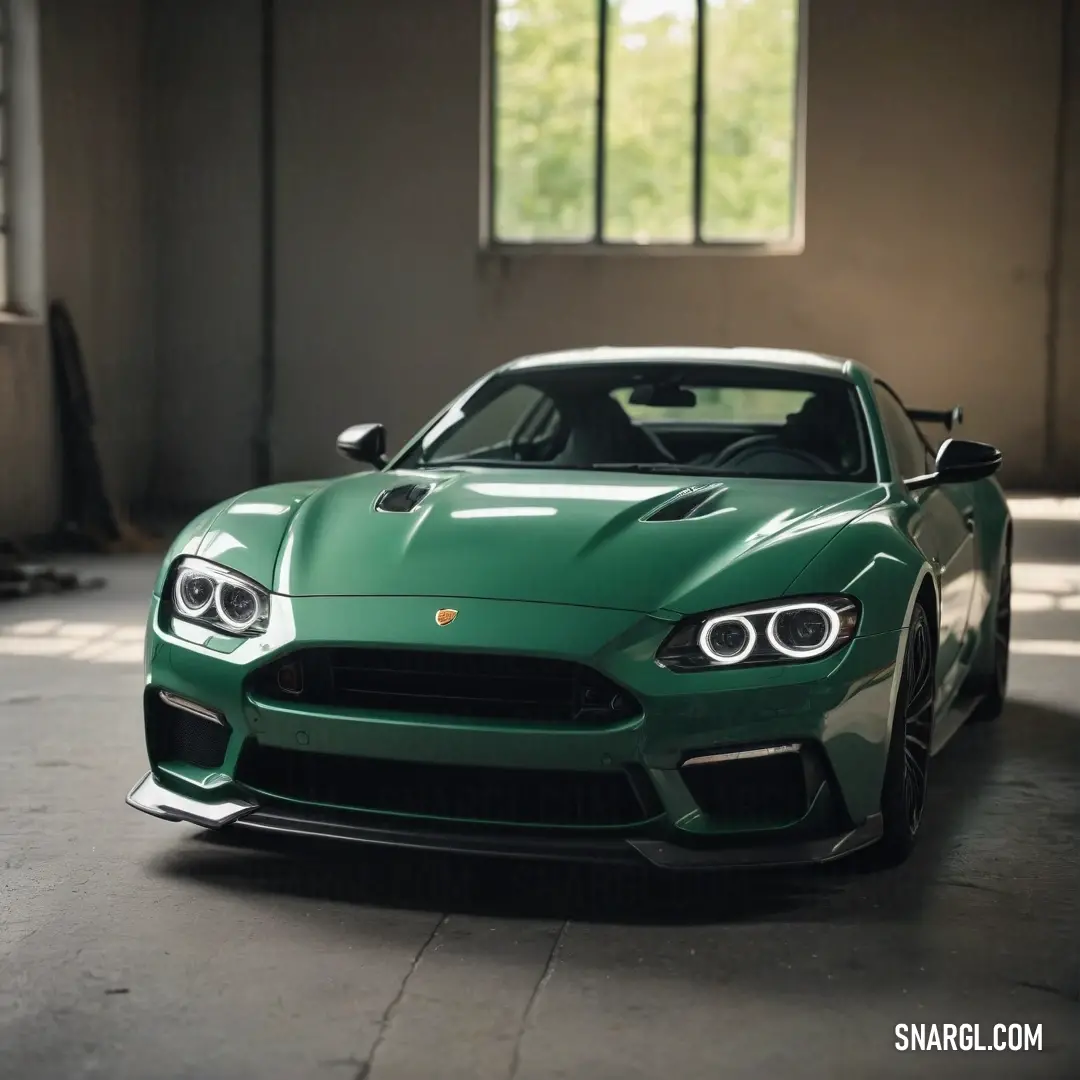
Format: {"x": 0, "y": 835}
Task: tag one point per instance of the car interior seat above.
{"x": 599, "y": 430}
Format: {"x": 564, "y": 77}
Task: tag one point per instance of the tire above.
{"x": 903, "y": 793}
{"x": 993, "y": 685}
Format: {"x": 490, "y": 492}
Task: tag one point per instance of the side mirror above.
{"x": 960, "y": 461}
{"x": 364, "y": 442}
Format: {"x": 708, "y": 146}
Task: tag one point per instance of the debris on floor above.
{"x": 21, "y": 578}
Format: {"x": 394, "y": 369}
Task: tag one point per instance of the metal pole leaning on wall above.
{"x": 268, "y": 266}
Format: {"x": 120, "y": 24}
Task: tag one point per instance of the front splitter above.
{"x": 152, "y": 798}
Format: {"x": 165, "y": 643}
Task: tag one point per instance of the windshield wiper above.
{"x": 656, "y": 468}
{"x": 665, "y": 467}
{"x": 662, "y": 467}
{"x": 483, "y": 463}
{"x": 461, "y": 463}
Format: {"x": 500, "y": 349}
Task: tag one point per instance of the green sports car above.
{"x": 689, "y": 607}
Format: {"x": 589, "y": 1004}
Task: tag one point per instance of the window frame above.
{"x": 794, "y": 244}
{"x": 923, "y": 441}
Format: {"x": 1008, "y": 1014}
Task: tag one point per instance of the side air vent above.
{"x": 401, "y": 500}
{"x": 689, "y": 503}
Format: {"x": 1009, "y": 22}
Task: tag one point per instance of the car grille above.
{"x": 438, "y": 683}
{"x": 470, "y": 793}
{"x": 175, "y": 735}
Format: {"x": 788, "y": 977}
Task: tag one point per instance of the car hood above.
{"x": 568, "y": 537}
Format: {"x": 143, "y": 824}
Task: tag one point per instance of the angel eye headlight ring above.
{"x": 233, "y": 597}
{"x": 831, "y": 631}
{"x": 737, "y": 652}
{"x": 219, "y": 598}
{"x": 194, "y": 592}
{"x": 782, "y": 631}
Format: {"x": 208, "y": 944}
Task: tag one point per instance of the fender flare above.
{"x": 923, "y": 576}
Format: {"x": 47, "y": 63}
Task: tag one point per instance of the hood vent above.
{"x": 689, "y": 503}
{"x": 402, "y": 499}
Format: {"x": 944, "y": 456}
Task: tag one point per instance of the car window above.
{"x": 722, "y": 419}
{"x": 724, "y": 404}
{"x": 520, "y": 411}
{"x": 910, "y": 451}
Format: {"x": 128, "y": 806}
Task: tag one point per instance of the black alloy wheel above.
{"x": 917, "y": 688}
{"x": 903, "y": 796}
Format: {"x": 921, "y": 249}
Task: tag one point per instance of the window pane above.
{"x": 751, "y": 49}
{"x": 652, "y": 413}
{"x": 545, "y": 119}
{"x": 649, "y": 160}
{"x": 732, "y": 404}
{"x": 487, "y": 423}
{"x": 909, "y": 449}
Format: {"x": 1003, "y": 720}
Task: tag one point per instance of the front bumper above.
{"x": 838, "y": 707}
{"x": 153, "y": 798}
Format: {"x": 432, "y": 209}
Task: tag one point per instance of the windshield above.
{"x": 640, "y": 417}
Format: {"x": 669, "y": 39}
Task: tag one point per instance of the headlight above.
{"x": 780, "y": 632}
{"x": 214, "y": 596}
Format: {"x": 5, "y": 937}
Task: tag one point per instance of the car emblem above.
{"x": 445, "y": 616}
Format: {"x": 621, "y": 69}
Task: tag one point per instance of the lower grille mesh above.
{"x": 517, "y": 796}
{"x": 175, "y": 735}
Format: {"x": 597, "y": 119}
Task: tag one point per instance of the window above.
{"x": 640, "y": 416}
{"x": 733, "y": 404}
{"x": 646, "y": 122}
{"x": 910, "y": 450}
{"x": 501, "y": 417}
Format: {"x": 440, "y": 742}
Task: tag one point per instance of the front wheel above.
{"x": 903, "y": 795}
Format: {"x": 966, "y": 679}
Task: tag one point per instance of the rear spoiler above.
{"x": 948, "y": 417}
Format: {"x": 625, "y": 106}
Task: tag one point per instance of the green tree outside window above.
{"x": 597, "y": 134}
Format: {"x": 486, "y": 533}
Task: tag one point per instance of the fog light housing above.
{"x": 290, "y": 678}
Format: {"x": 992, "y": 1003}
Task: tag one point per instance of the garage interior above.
{"x": 267, "y": 221}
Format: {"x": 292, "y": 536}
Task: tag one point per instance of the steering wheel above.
{"x": 739, "y": 446}
{"x": 746, "y": 449}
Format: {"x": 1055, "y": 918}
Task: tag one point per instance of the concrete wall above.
{"x": 28, "y": 461}
{"x": 204, "y": 169}
{"x": 930, "y": 188}
{"x": 90, "y": 129}
{"x": 1066, "y": 396}
{"x": 96, "y": 216}
{"x": 27, "y": 430}
{"x": 95, "y": 248}
{"x": 930, "y": 179}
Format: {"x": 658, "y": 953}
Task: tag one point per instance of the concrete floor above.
{"x": 136, "y": 950}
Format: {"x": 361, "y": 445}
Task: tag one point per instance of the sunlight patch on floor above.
{"x": 1050, "y": 647}
{"x": 1038, "y": 508}
{"x": 93, "y": 642}
{"x": 1045, "y": 587}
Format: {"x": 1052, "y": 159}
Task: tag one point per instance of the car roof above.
{"x": 777, "y": 359}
